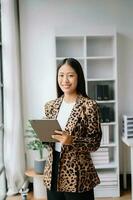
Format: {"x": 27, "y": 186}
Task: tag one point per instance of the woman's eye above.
{"x": 67, "y": 76}
{"x": 71, "y": 75}
{"x": 61, "y": 75}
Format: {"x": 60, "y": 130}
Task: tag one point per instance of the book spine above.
{"x": 105, "y": 92}
{"x": 99, "y": 92}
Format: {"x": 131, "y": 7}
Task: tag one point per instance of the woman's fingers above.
{"x": 57, "y": 137}
{"x": 58, "y": 132}
{"x": 62, "y": 137}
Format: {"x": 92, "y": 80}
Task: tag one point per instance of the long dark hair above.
{"x": 78, "y": 69}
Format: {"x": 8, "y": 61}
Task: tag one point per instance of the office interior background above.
{"x": 28, "y": 47}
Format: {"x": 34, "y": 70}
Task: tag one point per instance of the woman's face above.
{"x": 67, "y": 79}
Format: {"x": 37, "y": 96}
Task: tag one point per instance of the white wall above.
{"x": 40, "y": 19}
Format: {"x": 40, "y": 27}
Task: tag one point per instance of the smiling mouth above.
{"x": 65, "y": 86}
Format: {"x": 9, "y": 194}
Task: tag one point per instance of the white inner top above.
{"x": 63, "y": 115}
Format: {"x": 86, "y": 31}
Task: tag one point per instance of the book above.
{"x": 105, "y": 114}
{"x": 101, "y": 156}
{"x": 105, "y": 134}
{"x": 99, "y": 92}
{"x": 105, "y": 92}
{"x": 102, "y": 92}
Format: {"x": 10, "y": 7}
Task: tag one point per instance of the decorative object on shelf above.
{"x": 36, "y": 144}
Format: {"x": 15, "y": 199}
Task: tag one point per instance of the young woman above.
{"x": 70, "y": 173}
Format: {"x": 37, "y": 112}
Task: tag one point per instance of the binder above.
{"x": 105, "y": 92}
{"x": 99, "y": 92}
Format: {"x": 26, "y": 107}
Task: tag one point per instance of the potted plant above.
{"x": 36, "y": 145}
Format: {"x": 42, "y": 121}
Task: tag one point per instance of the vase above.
{"x": 39, "y": 165}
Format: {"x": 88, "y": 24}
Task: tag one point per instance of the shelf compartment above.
{"x": 107, "y": 112}
{"x": 108, "y": 136}
{"x": 100, "y": 46}
{"x": 104, "y": 157}
{"x": 109, "y": 182}
{"x": 100, "y": 58}
{"x": 101, "y": 91}
{"x": 70, "y": 46}
{"x": 100, "y": 79}
{"x": 100, "y": 69}
{"x": 108, "y": 176}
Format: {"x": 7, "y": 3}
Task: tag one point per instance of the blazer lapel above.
{"x": 56, "y": 107}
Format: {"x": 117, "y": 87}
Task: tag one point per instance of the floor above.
{"x": 125, "y": 196}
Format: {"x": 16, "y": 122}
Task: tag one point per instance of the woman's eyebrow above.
{"x": 67, "y": 72}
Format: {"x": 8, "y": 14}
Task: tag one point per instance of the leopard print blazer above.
{"x": 76, "y": 170}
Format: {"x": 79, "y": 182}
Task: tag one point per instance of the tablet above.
{"x": 45, "y": 128}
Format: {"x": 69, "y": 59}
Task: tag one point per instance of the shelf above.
{"x": 108, "y": 123}
{"x": 62, "y": 58}
{"x": 107, "y": 101}
{"x": 98, "y": 57}
{"x": 109, "y": 145}
{"x": 100, "y": 79}
{"x": 32, "y": 173}
{"x": 70, "y": 46}
{"x": 99, "y": 46}
{"x": 104, "y": 68}
{"x": 110, "y": 165}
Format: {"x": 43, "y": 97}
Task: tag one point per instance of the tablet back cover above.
{"x": 45, "y": 128}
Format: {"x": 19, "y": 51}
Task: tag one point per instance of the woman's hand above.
{"x": 62, "y": 137}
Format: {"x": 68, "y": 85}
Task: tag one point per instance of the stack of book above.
{"x": 101, "y": 156}
{"x": 108, "y": 178}
{"x": 105, "y": 134}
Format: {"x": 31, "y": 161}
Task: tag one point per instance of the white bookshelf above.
{"x": 97, "y": 54}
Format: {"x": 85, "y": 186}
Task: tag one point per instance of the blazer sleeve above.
{"x": 47, "y": 115}
{"x": 48, "y": 107}
{"x": 90, "y": 140}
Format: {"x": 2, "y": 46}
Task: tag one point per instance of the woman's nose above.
{"x": 66, "y": 79}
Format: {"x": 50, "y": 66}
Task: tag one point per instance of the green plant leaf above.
{"x": 35, "y": 144}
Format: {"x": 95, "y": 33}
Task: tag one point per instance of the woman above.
{"x": 70, "y": 173}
